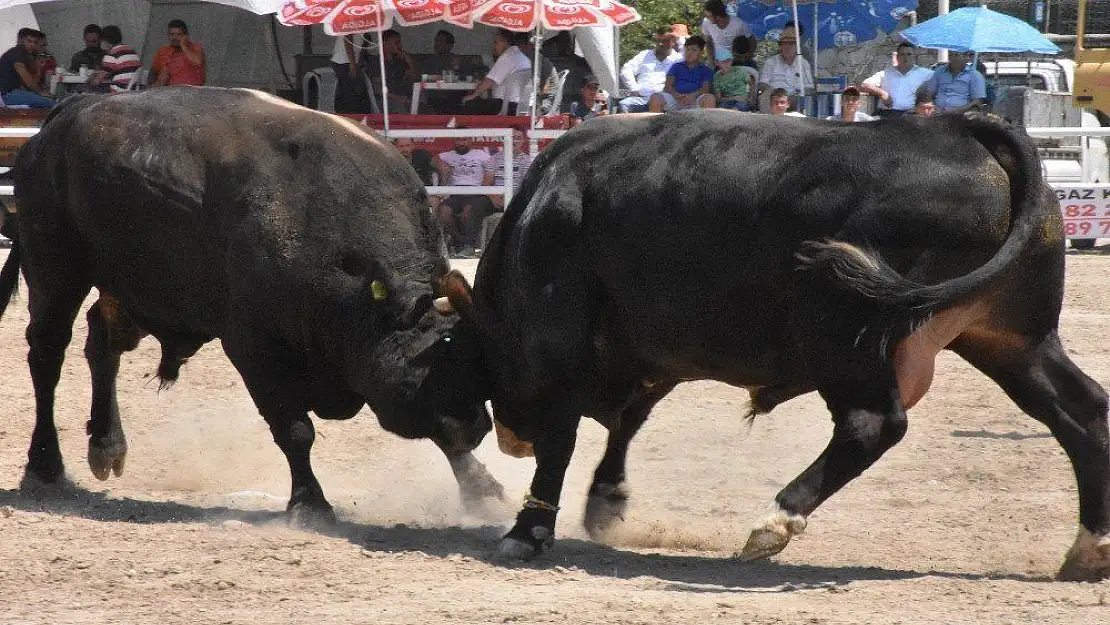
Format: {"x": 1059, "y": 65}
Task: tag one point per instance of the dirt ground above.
{"x": 964, "y": 522}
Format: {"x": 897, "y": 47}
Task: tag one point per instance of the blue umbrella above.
{"x": 978, "y": 29}
{"x": 839, "y": 22}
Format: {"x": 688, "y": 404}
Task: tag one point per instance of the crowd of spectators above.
{"x": 662, "y": 79}
{"x": 29, "y": 72}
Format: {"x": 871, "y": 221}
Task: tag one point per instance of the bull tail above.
{"x": 9, "y": 275}
{"x": 863, "y": 272}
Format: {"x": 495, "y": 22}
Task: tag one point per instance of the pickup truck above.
{"x": 1038, "y": 93}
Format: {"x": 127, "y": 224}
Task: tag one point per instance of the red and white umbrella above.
{"x": 526, "y": 15}
{"x": 538, "y": 15}
{"x": 345, "y": 17}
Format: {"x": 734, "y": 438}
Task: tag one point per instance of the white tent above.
{"x": 243, "y": 49}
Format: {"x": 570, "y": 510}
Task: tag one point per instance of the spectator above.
{"x": 45, "y": 63}
{"x": 119, "y": 65}
{"x": 522, "y": 160}
{"x": 733, "y": 85}
{"x": 682, "y": 32}
{"x": 849, "y": 107}
{"x": 588, "y": 104}
{"x": 422, "y": 161}
{"x": 646, "y": 73}
{"x": 525, "y": 42}
{"x": 787, "y": 70}
{"x": 350, "y": 88}
{"x": 560, "y": 49}
{"x": 181, "y": 62}
{"x": 743, "y": 53}
{"x": 400, "y": 72}
{"x": 924, "y": 104}
{"x": 461, "y": 216}
{"x": 92, "y": 54}
{"x": 957, "y": 87}
{"x": 687, "y": 84}
{"x": 896, "y": 85}
{"x": 780, "y": 103}
{"x": 510, "y": 61}
{"x": 19, "y": 84}
{"x": 719, "y": 28}
{"x": 436, "y": 65}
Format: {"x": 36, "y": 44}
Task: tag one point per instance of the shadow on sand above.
{"x": 680, "y": 572}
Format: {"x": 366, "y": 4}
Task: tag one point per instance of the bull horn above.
{"x": 444, "y": 306}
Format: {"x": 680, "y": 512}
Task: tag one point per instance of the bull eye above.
{"x": 447, "y": 338}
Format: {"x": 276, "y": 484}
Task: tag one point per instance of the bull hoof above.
{"x": 107, "y": 458}
{"x": 480, "y": 490}
{"x": 1088, "y": 560}
{"x": 513, "y": 549}
{"x": 38, "y": 473}
{"x": 312, "y": 517}
{"x": 605, "y": 509}
{"x": 772, "y": 535}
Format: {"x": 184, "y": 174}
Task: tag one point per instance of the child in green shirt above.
{"x": 733, "y": 85}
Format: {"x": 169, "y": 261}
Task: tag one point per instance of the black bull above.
{"x": 301, "y": 241}
{"x": 784, "y": 256}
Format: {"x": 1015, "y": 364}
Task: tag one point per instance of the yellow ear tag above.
{"x": 377, "y": 289}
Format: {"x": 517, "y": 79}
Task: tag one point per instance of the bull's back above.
{"x": 690, "y": 223}
{"x": 160, "y": 192}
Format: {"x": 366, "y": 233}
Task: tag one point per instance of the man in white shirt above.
{"x": 787, "y": 70}
{"x": 896, "y": 86}
{"x": 510, "y": 61}
{"x": 720, "y": 29}
{"x": 646, "y": 73}
{"x": 461, "y": 216}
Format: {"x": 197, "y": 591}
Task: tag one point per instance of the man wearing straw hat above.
{"x": 787, "y": 70}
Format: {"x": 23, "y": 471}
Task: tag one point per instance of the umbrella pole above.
{"x": 537, "y": 90}
{"x": 385, "y": 86}
{"x": 798, "y": 39}
{"x": 816, "y": 32}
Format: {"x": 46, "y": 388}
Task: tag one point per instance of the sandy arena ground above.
{"x": 964, "y": 522}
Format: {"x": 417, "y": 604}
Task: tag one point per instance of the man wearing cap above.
{"x": 957, "y": 86}
{"x": 586, "y": 105}
{"x": 896, "y": 85}
{"x": 787, "y": 70}
{"x": 646, "y": 73}
{"x": 849, "y": 107}
{"x": 733, "y": 85}
{"x": 719, "y": 28}
{"x": 687, "y": 84}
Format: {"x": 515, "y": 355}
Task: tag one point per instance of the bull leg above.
{"x": 476, "y": 484}
{"x": 54, "y": 306}
{"x": 608, "y": 497}
{"x": 868, "y": 419}
{"x": 1049, "y": 387}
{"x": 111, "y": 333}
{"x": 553, "y": 445}
{"x": 284, "y": 410}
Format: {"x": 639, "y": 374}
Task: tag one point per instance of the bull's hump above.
{"x": 342, "y": 124}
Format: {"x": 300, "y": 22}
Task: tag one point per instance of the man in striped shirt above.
{"x": 119, "y": 64}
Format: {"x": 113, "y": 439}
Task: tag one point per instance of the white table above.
{"x": 439, "y": 85}
{"x": 66, "y": 79}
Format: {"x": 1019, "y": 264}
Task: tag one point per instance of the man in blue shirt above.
{"x": 957, "y": 86}
{"x": 687, "y": 83}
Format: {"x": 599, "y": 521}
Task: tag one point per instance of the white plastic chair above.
{"x": 326, "y": 82}
{"x": 557, "y": 93}
{"x": 371, "y": 84}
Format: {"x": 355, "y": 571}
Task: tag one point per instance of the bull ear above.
{"x": 456, "y": 289}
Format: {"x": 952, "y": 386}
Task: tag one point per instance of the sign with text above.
{"x": 1085, "y": 209}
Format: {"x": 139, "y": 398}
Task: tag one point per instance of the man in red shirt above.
{"x": 182, "y": 61}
